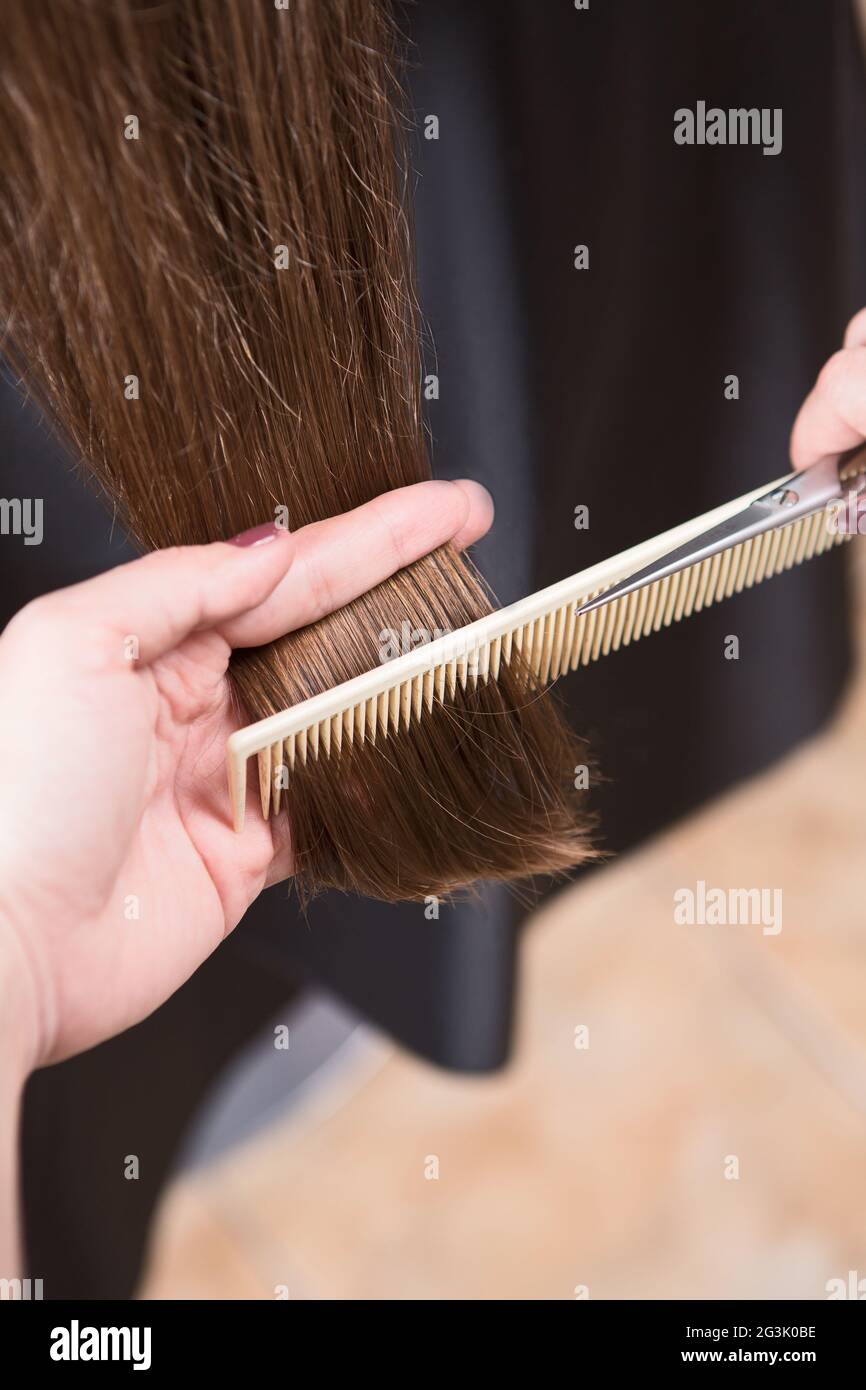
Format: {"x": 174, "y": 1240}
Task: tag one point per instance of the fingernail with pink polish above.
{"x": 256, "y": 535}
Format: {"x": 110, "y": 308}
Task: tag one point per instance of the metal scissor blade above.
{"x": 750, "y": 522}
{"x": 796, "y": 496}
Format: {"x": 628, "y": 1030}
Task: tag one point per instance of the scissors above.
{"x": 831, "y": 479}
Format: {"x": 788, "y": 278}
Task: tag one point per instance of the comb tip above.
{"x": 237, "y": 780}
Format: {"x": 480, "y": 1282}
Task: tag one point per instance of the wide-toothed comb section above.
{"x": 541, "y": 647}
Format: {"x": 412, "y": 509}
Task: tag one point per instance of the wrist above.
{"x": 19, "y": 1014}
{"x": 17, "y": 1057}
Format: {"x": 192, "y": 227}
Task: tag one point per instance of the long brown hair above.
{"x": 206, "y": 275}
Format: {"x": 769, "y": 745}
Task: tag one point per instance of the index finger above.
{"x": 337, "y": 560}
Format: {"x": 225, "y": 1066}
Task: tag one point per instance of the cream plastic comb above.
{"x": 567, "y": 625}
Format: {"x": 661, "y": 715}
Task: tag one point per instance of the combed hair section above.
{"x": 206, "y": 279}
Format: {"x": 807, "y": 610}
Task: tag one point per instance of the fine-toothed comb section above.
{"x": 540, "y": 638}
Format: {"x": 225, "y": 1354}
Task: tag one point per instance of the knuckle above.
{"x": 40, "y": 613}
{"x": 42, "y": 624}
{"x": 320, "y": 587}
{"x": 393, "y": 542}
{"x": 175, "y": 555}
{"x": 855, "y": 327}
{"x": 834, "y": 375}
{"x": 60, "y": 622}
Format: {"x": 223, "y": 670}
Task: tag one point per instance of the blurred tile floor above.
{"x": 606, "y": 1169}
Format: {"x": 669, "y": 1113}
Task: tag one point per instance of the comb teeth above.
{"x": 677, "y": 596}
{"x": 543, "y": 648}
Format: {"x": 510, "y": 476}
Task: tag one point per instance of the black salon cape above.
{"x": 558, "y": 388}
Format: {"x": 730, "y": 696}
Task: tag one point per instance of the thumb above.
{"x": 163, "y": 597}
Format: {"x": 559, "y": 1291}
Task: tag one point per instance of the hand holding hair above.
{"x": 119, "y": 870}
